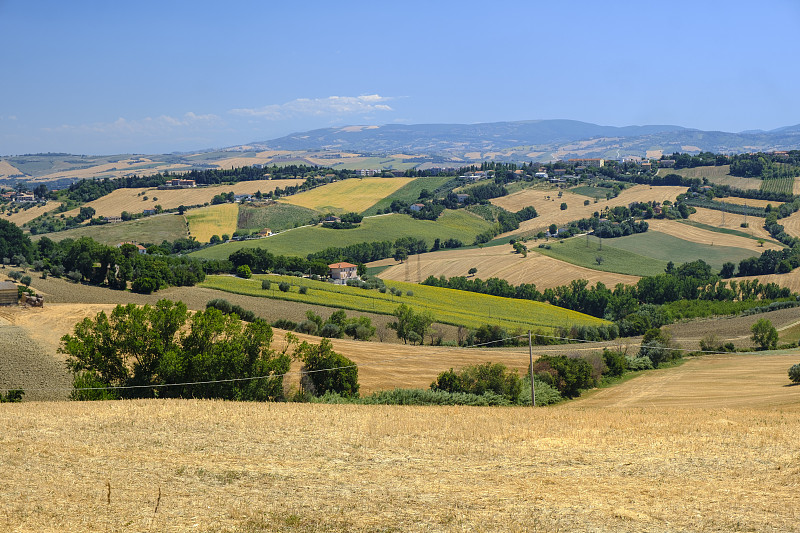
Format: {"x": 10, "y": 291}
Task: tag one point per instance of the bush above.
{"x": 12, "y": 396}
{"x": 283, "y": 323}
{"x": 331, "y": 331}
{"x": 794, "y": 373}
{"x": 478, "y": 379}
{"x": 303, "y": 290}
{"x": 327, "y": 371}
{"x": 568, "y": 375}
{"x": 764, "y": 334}
{"x": 143, "y": 285}
{"x": 638, "y": 363}
{"x": 26, "y": 280}
{"x": 266, "y": 284}
{"x": 87, "y": 386}
{"x": 243, "y": 271}
{"x": 615, "y": 362}
{"x": 284, "y": 286}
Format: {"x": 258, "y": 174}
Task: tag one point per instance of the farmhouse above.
{"x": 416, "y": 207}
{"x": 666, "y": 163}
{"x": 181, "y": 183}
{"x": 462, "y": 198}
{"x": 241, "y": 198}
{"x": 112, "y": 220}
{"x": 331, "y": 219}
{"x": 589, "y": 162}
{"x": 141, "y": 249}
{"x": 148, "y": 212}
{"x": 341, "y": 272}
{"x": 8, "y": 293}
{"x": 266, "y": 232}
{"x": 541, "y": 174}
{"x": 24, "y": 197}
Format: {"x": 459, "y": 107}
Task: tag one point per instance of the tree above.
{"x": 794, "y": 373}
{"x": 327, "y": 371}
{"x": 148, "y": 347}
{"x": 563, "y": 206}
{"x": 411, "y": 326}
{"x": 243, "y": 271}
{"x": 26, "y": 280}
{"x": 472, "y": 271}
{"x": 764, "y": 334}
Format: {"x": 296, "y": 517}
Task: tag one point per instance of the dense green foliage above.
{"x": 479, "y": 379}
{"x": 794, "y": 373}
{"x": 163, "y": 350}
{"x": 764, "y": 334}
{"x": 567, "y": 374}
{"x": 325, "y": 371}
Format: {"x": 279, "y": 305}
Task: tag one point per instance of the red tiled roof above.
{"x": 342, "y": 265}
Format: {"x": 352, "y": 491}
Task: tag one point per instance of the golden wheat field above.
{"x": 212, "y": 466}
{"x": 212, "y": 220}
{"x": 712, "y": 217}
{"x": 791, "y": 224}
{"x": 7, "y": 169}
{"x": 262, "y": 158}
{"x": 790, "y": 281}
{"x": 549, "y": 210}
{"x": 354, "y": 195}
{"x": 26, "y": 215}
{"x": 500, "y": 262}
{"x": 712, "y": 238}
{"x": 132, "y": 200}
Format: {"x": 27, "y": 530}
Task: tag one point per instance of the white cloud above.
{"x": 144, "y": 126}
{"x": 330, "y": 106}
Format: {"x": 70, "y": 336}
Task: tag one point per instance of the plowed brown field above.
{"x": 499, "y": 262}
{"x": 550, "y": 212}
{"x": 130, "y": 200}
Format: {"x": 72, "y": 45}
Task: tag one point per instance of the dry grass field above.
{"x": 132, "y": 200}
{"x": 715, "y": 175}
{"x": 210, "y": 466}
{"x": 354, "y": 195}
{"x": 712, "y": 217}
{"x": 26, "y": 215}
{"x": 791, "y": 224}
{"x": 7, "y": 169}
{"x": 550, "y": 212}
{"x": 262, "y": 158}
{"x": 500, "y": 262}
{"x": 748, "y": 201}
{"x": 709, "y": 382}
{"x": 790, "y": 280}
{"x": 704, "y": 236}
{"x": 212, "y": 220}
{"x": 142, "y": 166}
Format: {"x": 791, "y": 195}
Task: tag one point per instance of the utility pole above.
{"x": 530, "y": 356}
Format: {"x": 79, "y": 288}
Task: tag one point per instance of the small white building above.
{"x": 416, "y": 207}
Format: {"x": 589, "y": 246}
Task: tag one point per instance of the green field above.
{"x": 591, "y": 192}
{"x": 448, "y": 306}
{"x": 409, "y": 192}
{"x": 784, "y": 185}
{"x": 277, "y": 217}
{"x": 643, "y": 254}
{"x": 303, "y": 241}
{"x": 153, "y": 229}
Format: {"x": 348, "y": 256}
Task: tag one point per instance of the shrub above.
{"x": 568, "y": 375}
{"x": 794, "y": 373}
{"x": 479, "y": 379}
{"x": 764, "y": 334}
{"x": 265, "y": 285}
{"x": 327, "y": 371}
{"x": 12, "y": 396}
{"x": 15, "y": 275}
{"x": 87, "y": 386}
{"x": 243, "y": 271}
{"x": 284, "y": 286}
{"x": 331, "y": 331}
{"x": 308, "y": 326}
{"x": 283, "y": 323}
{"x": 638, "y": 363}
{"x": 615, "y": 362}
{"x": 303, "y": 290}
{"x": 141, "y": 285}
{"x": 26, "y": 280}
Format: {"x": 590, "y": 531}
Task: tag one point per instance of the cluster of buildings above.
{"x": 22, "y": 197}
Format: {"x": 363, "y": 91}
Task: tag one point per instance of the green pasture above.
{"x": 643, "y": 254}
{"x": 303, "y": 241}
{"x": 277, "y": 217}
{"x": 153, "y": 229}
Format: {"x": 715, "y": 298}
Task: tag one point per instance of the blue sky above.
{"x": 149, "y": 77}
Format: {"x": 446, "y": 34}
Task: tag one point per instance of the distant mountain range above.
{"x": 420, "y": 146}
{"x": 533, "y": 139}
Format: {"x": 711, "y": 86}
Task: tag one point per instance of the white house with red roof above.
{"x": 341, "y": 272}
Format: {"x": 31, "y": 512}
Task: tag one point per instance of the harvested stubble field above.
{"x": 790, "y": 280}
{"x": 132, "y": 200}
{"x": 712, "y": 217}
{"x": 711, "y": 238}
{"x": 791, "y": 224}
{"x": 26, "y": 215}
{"x": 113, "y": 170}
{"x": 167, "y": 465}
{"x": 550, "y": 210}
{"x": 7, "y": 169}
{"x": 351, "y": 195}
{"x": 715, "y": 174}
{"x": 500, "y": 262}
{"x": 212, "y": 220}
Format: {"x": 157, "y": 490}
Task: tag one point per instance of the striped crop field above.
{"x": 212, "y": 220}
{"x": 352, "y": 195}
{"x": 784, "y": 185}
{"x": 448, "y": 306}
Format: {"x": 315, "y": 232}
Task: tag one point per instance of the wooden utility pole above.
{"x": 530, "y": 356}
